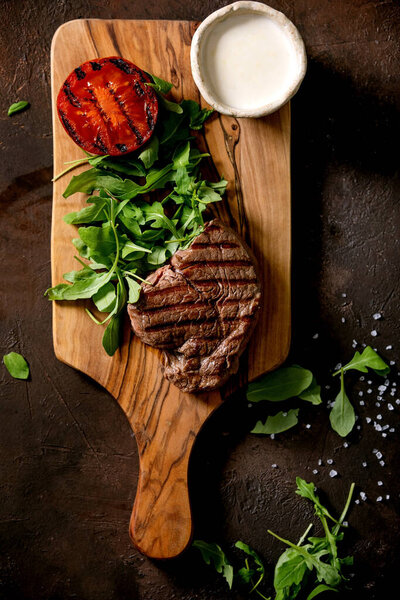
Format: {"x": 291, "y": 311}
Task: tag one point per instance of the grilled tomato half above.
{"x": 106, "y": 107}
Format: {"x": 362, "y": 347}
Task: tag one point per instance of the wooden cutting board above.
{"x": 254, "y": 155}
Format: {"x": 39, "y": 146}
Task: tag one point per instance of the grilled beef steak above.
{"x": 201, "y": 309}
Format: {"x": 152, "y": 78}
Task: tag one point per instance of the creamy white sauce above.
{"x": 248, "y": 60}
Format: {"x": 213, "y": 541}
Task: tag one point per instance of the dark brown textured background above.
{"x": 68, "y": 461}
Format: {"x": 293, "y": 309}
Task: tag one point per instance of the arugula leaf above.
{"x": 88, "y": 214}
{"x": 162, "y": 86}
{"x": 181, "y": 156}
{"x": 319, "y": 589}
{"x": 369, "y": 359}
{"x": 16, "y": 365}
{"x": 111, "y": 336}
{"x": 214, "y": 553}
{"x": 282, "y": 421}
{"x": 280, "y": 385}
{"x": 342, "y": 416}
{"x": 312, "y": 393}
{"x": 245, "y": 574}
{"x": 133, "y": 290}
{"x": 149, "y": 154}
{"x": 307, "y": 490}
{"x": 99, "y": 239}
{"x": 197, "y": 116}
{"x": 290, "y": 569}
{"x": 105, "y": 298}
{"x": 17, "y": 107}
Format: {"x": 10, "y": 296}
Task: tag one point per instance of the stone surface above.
{"x": 68, "y": 459}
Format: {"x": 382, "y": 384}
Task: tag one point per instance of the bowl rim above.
{"x": 247, "y": 6}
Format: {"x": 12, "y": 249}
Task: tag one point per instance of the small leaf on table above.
{"x": 16, "y": 365}
{"x": 278, "y": 423}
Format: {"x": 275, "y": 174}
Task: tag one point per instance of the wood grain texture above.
{"x": 254, "y": 155}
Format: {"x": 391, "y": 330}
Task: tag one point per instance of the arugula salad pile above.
{"x": 150, "y": 203}
{"x": 306, "y": 569}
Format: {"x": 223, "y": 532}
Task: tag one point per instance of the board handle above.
{"x": 161, "y": 522}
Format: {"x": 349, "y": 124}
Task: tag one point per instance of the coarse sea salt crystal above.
{"x": 357, "y": 501}
{"x": 362, "y": 403}
{"x": 390, "y": 406}
{"x": 369, "y": 391}
{"x": 377, "y": 316}
{"x": 338, "y": 366}
{"x": 361, "y": 393}
{"x": 368, "y": 419}
{"x": 343, "y": 320}
{"x": 397, "y": 400}
{"x": 379, "y": 417}
{"x": 374, "y": 333}
{"x": 379, "y": 499}
{"x": 329, "y": 461}
{"x": 378, "y": 455}
{"x": 363, "y": 496}
{"x": 274, "y": 466}
{"x": 362, "y": 378}
{"x": 382, "y": 388}
{"x": 272, "y": 436}
{"x": 308, "y": 426}
{"x": 344, "y": 295}
{"x": 332, "y": 473}
{"x": 315, "y": 471}
{"x": 392, "y": 430}
{"x": 358, "y": 427}
{"x": 364, "y": 464}
{"x": 390, "y": 347}
{"x": 320, "y": 461}
{"x": 384, "y": 435}
{"x": 378, "y": 404}
{"x": 382, "y": 463}
{"x": 345, "y": 444}
{"x": 315, "y": 336}
{"x": 380, "y": 483}
{"x": 387, "y": 496}
{"x": 375, "y": 451}
{"x": 392, "y": 362}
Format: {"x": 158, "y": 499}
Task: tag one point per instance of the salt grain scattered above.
{"x": 329, "y": 461}
{"x": 363, "y": 496}
{"x": 397, "y": 400}
{"x": 274, "y": 466}
{"x": 380, "y": 483}
{"x": 378, "y": 404}
{"x": 338, "y": 366}
{"x": 362, "y": 378}
{"x": 389, "y": 347}
{"x": 364, "y": 464}
{"x": 272, "y": 436}
{"x": 358, "y": 427}
{"x": 382, "y": 463}
{"x": 315, "y": 471}
{"x": 369, "y": 391}
{"x": 378, "y": 455}
{"x": 362, "y": 403}
{"x": 345, "y": 445}
{"x": 344, "y": 295}
{"x": 379, "y": 417}
{"x": 332, "y": 473}
{"x": 374, "y": 333}
{"x": 377, "y": 316}
{"x": 379, "y": 499}
{"x": 392, "y": 362}
{"x": 368, "y": 419}
{"x": 343, "y": 320}
{"x": 392, "y": 430}
{"x": 384, "y": 435}
{"x": 382, "y": 388}
{"x": 375, "y": 451}
{"x": 387, "y": 496}
{"x": 308, "y": 426}
{"x": 357, "y": 501}
{"x": 390, "y": 406}
{"x": 315, "y": 336}
{"x": 319, "y": 461}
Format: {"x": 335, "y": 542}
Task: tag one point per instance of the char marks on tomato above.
{"x": 201, "y": 309}
{"x": 106, "y": 107}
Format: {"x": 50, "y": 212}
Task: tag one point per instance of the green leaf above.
{"x": 161, "y": 85}
{"x": 282, "y": 384}
{"x": 134, "y": 288}
{"x": 111, "y": 336}
{"x": 282, "y": 421}
{"x": 319, "y": 589}
{"x": 16, "y": 365}
{"x": 94, "y": 179}
{"x": 312, "y": 393}
{"x": 307, "y": 490}
{"x": 197, "y": 116}
{"x": 342, "y": 416}
{"x": 369, "y": 359}
{"x": 85, "y": 273}
{"x": 157, "y": 256}
{"x": 88, "y": 214}
{"x": 181, "y": 156}
{"x": 105, "y": 298}
{"x": 212, "y": 553}
{"x": 290, "y": 569}
{"x": 17, "y": 107}
{"x": 149, "y": 154}
{"x": 56, "y": 292}
{"x": 99, "y": 239}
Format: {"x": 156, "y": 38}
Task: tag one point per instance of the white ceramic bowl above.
{"x": 200, "y": 72}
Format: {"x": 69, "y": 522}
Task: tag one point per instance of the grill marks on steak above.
{"x": 201, "y": 309}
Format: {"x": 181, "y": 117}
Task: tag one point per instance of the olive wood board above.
{"x": 254, "y": 156}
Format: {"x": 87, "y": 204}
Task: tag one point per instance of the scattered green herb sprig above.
{"x": 297, "y": 382}
{"x": 122, "y": 235}
{"x": 17, "y": 107}
{"x": 16, "y": 365}
{"x": 311, "y": 566}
